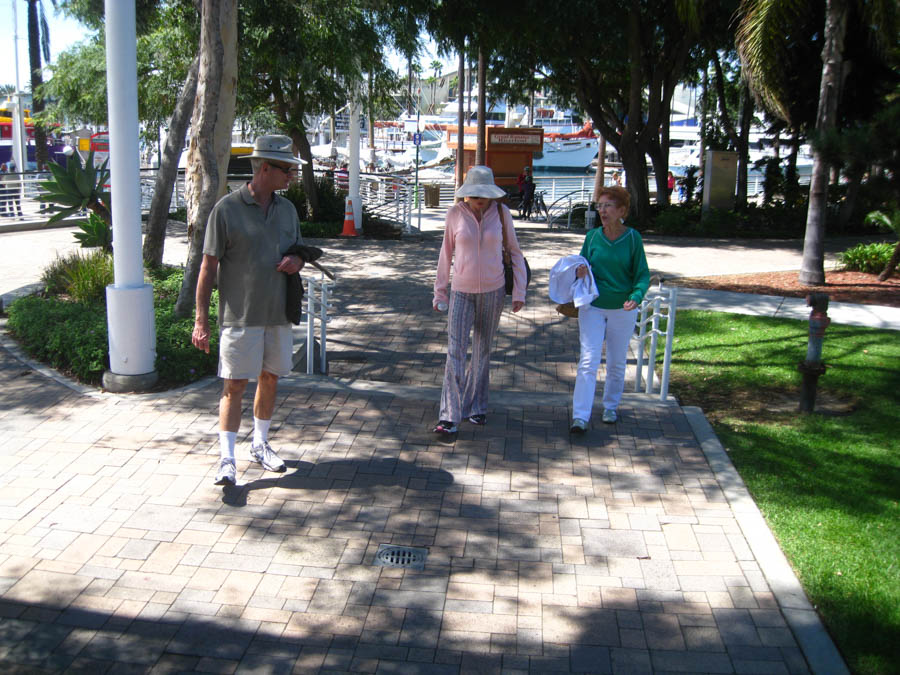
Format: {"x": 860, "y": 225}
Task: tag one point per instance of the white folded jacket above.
{"x": 566, "y": 287}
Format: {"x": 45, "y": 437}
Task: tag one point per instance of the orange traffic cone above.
{"x": 349, "y": 224}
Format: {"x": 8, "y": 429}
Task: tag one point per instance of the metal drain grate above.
{"x": 401, "y": 556}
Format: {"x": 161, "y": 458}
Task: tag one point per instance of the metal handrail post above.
{"x": 654, "y": 332}
{"x": 323, "y": 318}
{"x": 310, "y": 329}
{"x": 642, "y": 337}
{"x": 670, "y": 333}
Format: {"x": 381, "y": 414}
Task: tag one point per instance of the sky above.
{"x": 64, "y": 33}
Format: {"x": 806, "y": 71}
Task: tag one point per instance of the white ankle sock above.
{"x": 226, "y": 444}
{"x": 260, "y": 431}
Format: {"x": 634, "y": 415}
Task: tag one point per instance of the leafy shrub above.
{"x": 331, "y": 201}
{"x": 177, "y": 360}
{"x": 83, "y": 277}
{"x": 70, "y": 336}
{"x": 869, "y": 258}
{"x": 379, "y": 228}
{"x": 676, "y": 220}
{"x": 321, "y": 230}
{"x": 179, "y": 214}
{"x": 95, "y": 233}
{"x": 89, "y": 278}
{"x": 55, "y": 276}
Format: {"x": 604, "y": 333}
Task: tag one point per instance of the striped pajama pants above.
{"x": 465, "y": 390}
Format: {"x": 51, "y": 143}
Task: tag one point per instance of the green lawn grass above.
{"x": 828, "y": 484}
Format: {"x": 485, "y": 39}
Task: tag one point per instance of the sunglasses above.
{"x": 288, "y": 170}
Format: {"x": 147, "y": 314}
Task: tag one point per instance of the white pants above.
{"x": 615, "y": 326}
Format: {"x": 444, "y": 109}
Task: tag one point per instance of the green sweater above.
{"x": 619, "y": 267}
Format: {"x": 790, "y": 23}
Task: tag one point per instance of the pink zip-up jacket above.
{"x": 475, "y": 251}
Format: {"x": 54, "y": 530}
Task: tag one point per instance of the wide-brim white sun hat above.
{"x": 278, "y": 148}
{"x": 480, "y": 183}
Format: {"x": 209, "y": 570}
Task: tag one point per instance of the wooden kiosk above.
{"x": 507, "y": 152}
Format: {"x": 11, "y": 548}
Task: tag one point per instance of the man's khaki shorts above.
{"x": 246, "y": 351}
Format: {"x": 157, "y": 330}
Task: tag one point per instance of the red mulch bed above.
{"x": 841, "y": 286}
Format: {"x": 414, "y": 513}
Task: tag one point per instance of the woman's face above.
{"x": 478, "y": 203}
{"x": 610, "y": 211}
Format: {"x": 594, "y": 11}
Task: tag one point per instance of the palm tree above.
{"x": 761, "y": 39}
{"x": 436, "y": 70}
{"x": 38, "y": 45}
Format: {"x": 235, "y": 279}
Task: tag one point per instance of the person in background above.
{"x": 670, "y": 184}
{"x": 247, "y": 236}
{"x": 527, "y": 196}
{"x": 619, "y": 266}
{"x": 10, "y": 190}
{"x": 472, "y": 247}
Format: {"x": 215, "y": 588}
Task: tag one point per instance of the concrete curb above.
{"x": 815, "y": 642}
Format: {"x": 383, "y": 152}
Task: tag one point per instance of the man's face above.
{"x": 280, "y": 174}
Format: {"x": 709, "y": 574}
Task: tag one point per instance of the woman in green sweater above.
{"x": 619, "y": 265}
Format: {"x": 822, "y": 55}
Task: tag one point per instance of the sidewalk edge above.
{"x": 815, "y": 642}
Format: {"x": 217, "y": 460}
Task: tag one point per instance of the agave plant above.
{"x": 888, "y": 220}
{"x": 76, "y": 187}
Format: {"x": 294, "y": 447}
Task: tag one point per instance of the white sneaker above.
{"x": 226, "y": 473}
{"x": 609, "y": 417}
{"x": 266, "y": 456}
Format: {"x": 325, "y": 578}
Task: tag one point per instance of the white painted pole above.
{"x": 19, "y": 139}
{"x": 354, "y": 163}
{"x": 129, "y": 301}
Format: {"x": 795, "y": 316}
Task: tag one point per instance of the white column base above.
{"x": 132, "y": 333}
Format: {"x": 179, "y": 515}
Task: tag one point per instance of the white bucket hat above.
{"x": 277, "y": 148}
{"x": 480, "y": 183}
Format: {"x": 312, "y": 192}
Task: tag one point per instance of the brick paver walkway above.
{"x": 615, "y": 552}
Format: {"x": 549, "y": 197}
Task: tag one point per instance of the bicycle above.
{"x": 538, "y": 206}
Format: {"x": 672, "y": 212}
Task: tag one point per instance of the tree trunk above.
{"x": 704, "y": 121}
{"x": 743, "y": 147}
{"x": 635, "y": 165}
{"x": 812, "y": 269}
{"x": 792, "y": 195}
{"x": 409, "y": 74}
{"x": 630, "y": 148}
{"x": 370, "y": 114}
{"x": 888, "y": 271}
{"x": 211, "y": 126}
{"x": 306, "y": 172}
{"x": 41, "y": 154}
{"x": 167, "y": 174}
{"x": 599, "y": 177}
{"x": 482, "y": 105}
{"x": 460, "y": 122}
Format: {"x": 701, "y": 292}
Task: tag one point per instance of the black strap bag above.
{"x": 507, "y": 259}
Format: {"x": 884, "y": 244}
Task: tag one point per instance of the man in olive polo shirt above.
{"x": 246, "y": 236}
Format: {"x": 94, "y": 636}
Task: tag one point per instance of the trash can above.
{"x": 432, "y": 196}
{"x": 589, "y": 218}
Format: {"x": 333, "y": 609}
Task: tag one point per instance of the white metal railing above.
{"x": 388, "y": 196}
{"x": 318, "y": 301}
{"x": 19, "y": 197}
{"x": 562, "y": 207}
{"x": 659, "y": 305}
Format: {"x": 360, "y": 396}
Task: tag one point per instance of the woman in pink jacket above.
{"x": 473, "y": 245}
